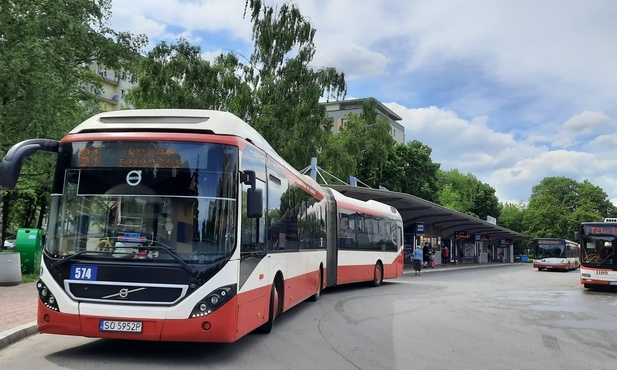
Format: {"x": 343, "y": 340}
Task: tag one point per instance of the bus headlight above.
{"x": 46, "y": 297}
{"x": 212, "y": 301}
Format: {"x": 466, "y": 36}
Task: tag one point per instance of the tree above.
{"x": 46, "y": 85}
{"x": 465, "y": 193}
{"x": 288, "y": 89}
{"x": 361, "y": 148}
{"x": 511, "y": 217}
{"x": 558, "y": 205}
{"x": 410, "y": 170}
{"x": 175, "y": 76}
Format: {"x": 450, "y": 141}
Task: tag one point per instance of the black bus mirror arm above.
{"x": 14, "y": 159}
{"x": 247, "y": 177}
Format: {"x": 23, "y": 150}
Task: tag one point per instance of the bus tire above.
{"x": 539, "y": 269}
{"x": 588, "y": 286}
{"x": 315, "y": 297}
{"x": 377, "y": 275}
{"x": 273, "y": 311}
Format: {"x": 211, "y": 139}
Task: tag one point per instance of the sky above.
{"x": 511, "y": 91}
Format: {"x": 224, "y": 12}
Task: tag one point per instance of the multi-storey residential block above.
{"x": 339, "y": 110}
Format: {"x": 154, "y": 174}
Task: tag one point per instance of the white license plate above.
{"x": 121, "y": 326}
{"x": 612, "y": 283}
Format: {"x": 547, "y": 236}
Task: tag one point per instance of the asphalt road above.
{"x": 503, "y": 317}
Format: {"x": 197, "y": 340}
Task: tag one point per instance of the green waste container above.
{"x": 28, "y": 244}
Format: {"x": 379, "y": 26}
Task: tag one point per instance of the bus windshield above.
{"x": 145, "y": 201}
{"x": 599, "y": 250}
{"x": 549, "y": 250}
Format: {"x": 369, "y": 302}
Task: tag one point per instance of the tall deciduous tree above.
{"x": 558, "y": 205}
{"x": 410, "y": 170}
{"x": 46, "y": 48}
{"x": 288, "y": 88}
{"x": 175, "y": 76}
{"x": 361, "y": 147}
{"x": 465, "y": 193}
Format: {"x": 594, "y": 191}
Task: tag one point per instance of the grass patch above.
{"x": 29, "y": 278}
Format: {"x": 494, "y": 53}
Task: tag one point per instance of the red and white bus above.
{"x": 598, "y": 262}
{"x": 555, "y": 254}
{"x": 185, "y": 225}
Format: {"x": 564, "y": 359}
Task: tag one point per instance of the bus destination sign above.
{"x": 600, "y": 230}
{"x": 130, "y": 157}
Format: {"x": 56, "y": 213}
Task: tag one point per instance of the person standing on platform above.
{"x": 417, "y": 261}
{"x": 425, "y": 252}
{"x": 445, "y": 256}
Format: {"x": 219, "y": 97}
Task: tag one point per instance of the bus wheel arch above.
{"x": 315, "y": 297}
{"x": 377, "y": 274}
{"x": 275, "y": 304}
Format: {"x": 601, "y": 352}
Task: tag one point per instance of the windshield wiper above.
{"x": 185, "y": 266}
{"x": 66, "y": 259}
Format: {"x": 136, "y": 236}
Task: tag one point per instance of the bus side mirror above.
{"x": 577, "y": 236}
{"x": 254, "y": 201}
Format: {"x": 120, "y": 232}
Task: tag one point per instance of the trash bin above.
{"x": 524, "y": 258}
{"x": 10, "y": 268}
{"x": 28, "y": 244}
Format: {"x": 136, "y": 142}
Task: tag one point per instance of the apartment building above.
{"x": 115, "y": 86}
{"x": 339, "y": 110}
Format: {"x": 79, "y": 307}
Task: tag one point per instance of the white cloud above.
{"x": 357, "y": 62}
{"x": 511, "y": 91}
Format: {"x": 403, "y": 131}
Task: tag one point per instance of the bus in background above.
{"x": 185, "y": 225}
{"x": 555, "y": 254}
{"x": 598, "y": 262}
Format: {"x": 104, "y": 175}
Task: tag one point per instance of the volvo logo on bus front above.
{"x": 133, "y": 178}
{"x": 124, "y": 292}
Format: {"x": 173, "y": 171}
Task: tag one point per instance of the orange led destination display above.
{"x": 130, "y": 157}
{"x": 600, "y": 230}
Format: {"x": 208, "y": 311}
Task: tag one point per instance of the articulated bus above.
{"x": 185, "y": 225}
{"x": 598, "y": 262}
{"x": 555, "y": 254}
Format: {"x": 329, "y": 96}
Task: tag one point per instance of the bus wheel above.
{"x": 587, "y": 286}
{"x": 274, "y": 309}
{"x": 378, "y": 275}
{"x": 315, "y": 297}
{"x": 539, "y": 269}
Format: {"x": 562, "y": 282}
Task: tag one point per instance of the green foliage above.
{"x": 360, "y": 149}
{"x": 410, "y": 170}
{"x": 558, "y": 205}
{"x": 46, "y": 48}
{"x": 175, "y": 76}
{"x": 511, "y": 216}
{"x": 288, "y": 89}
{"x": 465, "y": 193}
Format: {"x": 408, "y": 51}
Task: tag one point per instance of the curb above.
{"x": 13, "y": 335}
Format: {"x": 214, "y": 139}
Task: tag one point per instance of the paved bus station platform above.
{"x": 18, "y": 303}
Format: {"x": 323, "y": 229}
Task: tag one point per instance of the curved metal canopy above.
{"x": 414, "y": 209}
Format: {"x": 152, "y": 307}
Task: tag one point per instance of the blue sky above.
{"x": 511, "y": 91}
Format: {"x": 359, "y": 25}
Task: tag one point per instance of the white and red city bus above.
{"x": 185, "y": 225}
{"x": 597, "y": 256}
{"x": 555, "y": 254}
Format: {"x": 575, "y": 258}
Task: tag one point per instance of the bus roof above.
{"x": 190, "y": 120}
{"x": 187, "y": 120}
